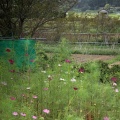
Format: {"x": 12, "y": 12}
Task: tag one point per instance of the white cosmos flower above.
{"x": 59, "y": 65}
{"x": 73, "y": 80}
{"x": 43, "y": 71}
{"x": 3, "y": 83}
{"x": 116, "y": 90}
{"x": 114, "y": 84}
{"x": 28, "y": 88}
{"x": 62, "y": 79}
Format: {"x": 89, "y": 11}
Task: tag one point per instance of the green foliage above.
{"x": 84, "y": 22}
{"x": 59, "y": 89}
{"x": 107, "y": 6}
{"x": 81, "y": 48}
{"x": 16, "y": 15}
{"x": 107, "y": 72}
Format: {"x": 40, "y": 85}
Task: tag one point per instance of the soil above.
{"x": 87, "y": 58}
{"x": 80, "y": 58}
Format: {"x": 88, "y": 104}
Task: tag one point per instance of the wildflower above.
{"x": 73, "y": 80}
{"x": 12, "y": 98}
{"x": 67, "y": 73}
{"x": 32, "y": 60}
{"x": 45, "y": 88}
{"x": 28, "y": 88}
{"x": 64, "y": 82}
{"x": 8, "y": 50}
{"x": 106, "y": 118}
{"x": 67, "y": 61}
{"x": 34, "y": 96}
{"x": 114, "y": 79}
{"x": 75, "y": 88}
{"x": 116, "y": 90}
{"x": 43, "y": 71}
{"x": 11, "y": 61}
{"x": 114, "y": 84}
{"x": 59, "y": 65}
{"x": 46, "y": 111}
{"x": 49, "y": 77}
{"x": 23, "y": 114}
{"x": 12, "y": 71}
{"x": 81, "y": 70}
{"x": 15, "y": 113}
{"x": 62, "y": 79}
{"x": 4, "y": 83}
{"x": 23, "y": 95}
{"x": 34, "y": 117}
{"x": 94, "y": 104}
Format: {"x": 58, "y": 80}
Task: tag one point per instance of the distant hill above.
{"x": 96, "y": 4}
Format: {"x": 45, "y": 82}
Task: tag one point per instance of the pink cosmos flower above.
{"x": 46, "y": 111}
{"x": 23, "y": 114}
{"x": 34, "y": 96}
{"x": 15, "y": 113}
{"x": 114, "y": 79}
{"x": 12, "y": 98}
{"x": 67, "y": 61}
{"x": 11, "y": 61}
{"x": 106, "y": 118}
{"x": 34, "y": 117}
{"x": 8, "y": 50}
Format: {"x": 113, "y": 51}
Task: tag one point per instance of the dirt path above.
{"x": 85, "y": 58}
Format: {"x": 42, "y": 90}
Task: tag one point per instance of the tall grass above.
{"x": 58, "y": 89}
{"x": 85, "y": 48}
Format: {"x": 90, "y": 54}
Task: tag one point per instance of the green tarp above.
{"x": 22, "y": 52}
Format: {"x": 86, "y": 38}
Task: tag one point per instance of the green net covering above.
{"x": 21, "y": 52}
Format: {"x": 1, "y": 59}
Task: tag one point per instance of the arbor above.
{"x": 16, "y": 14}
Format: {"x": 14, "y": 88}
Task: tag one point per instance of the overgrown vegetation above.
{"x": 98, "y": 28}
{"x": 83, "y": 48}
{"x": 58, "y": 88}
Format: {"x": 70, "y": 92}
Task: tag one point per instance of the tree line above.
{"x": 95, "y": 4}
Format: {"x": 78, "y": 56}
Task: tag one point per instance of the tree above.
{"x": 107, "y": 7}
{"x": 16, "y": 14}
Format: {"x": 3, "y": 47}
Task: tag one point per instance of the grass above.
{"x": 56, "y": 88}
{"x": 95, "y": 49}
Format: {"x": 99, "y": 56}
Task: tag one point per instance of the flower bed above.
{"x": 59, "y": 89}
